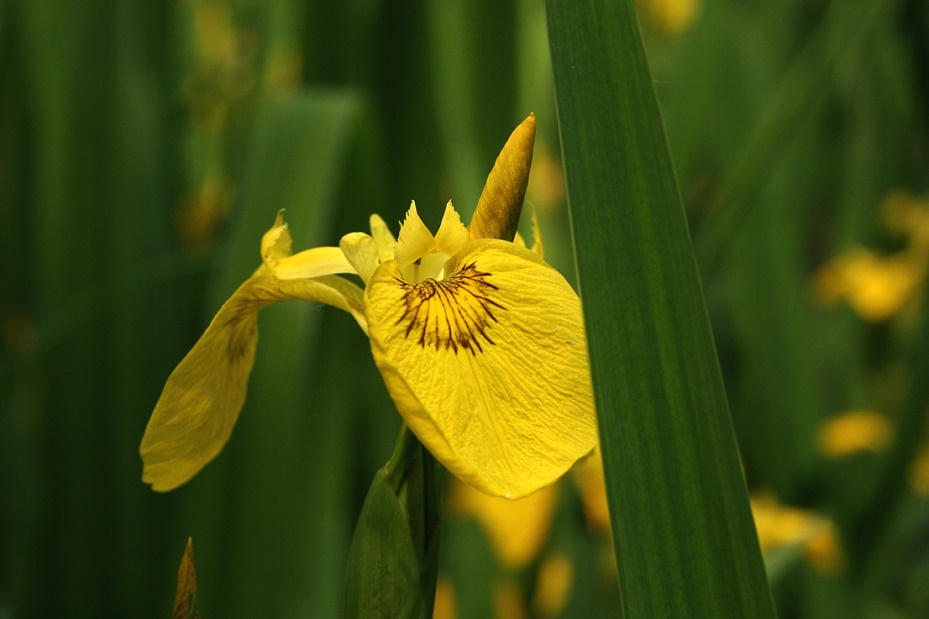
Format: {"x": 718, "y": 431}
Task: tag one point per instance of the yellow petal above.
{"x": 276, "y": 256}
{"x": 202, "y": 398}
{"x": 276, "y": 242}
{"x": 362, "y": 252}
{"x": 383, "y": 237}
{"x": 313, "y": 263}
{"x": 498, "y": 209}
{"x": 452, "y": 235}
{"x": 488, "y": 367}
{"x": 537, "y": 245}
{"x": 415, "y": 239}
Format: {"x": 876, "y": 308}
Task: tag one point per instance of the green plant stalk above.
{"x": 393, "y": 561}
{"x": 683, "y": 533}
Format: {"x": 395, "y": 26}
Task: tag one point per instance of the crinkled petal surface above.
{"x": 488, "y": 367}
{"x": 202, "y": 398}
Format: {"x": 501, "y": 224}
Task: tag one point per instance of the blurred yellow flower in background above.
{"x": 591, "y": 481}
{"x": 879, "y": 286}
{"x": 854, "y": 432}
{"x": 553, "y": 586}
{"x": 517, "y": 529}
{"x": 908, "y": 215}
{"x": 919, "y": 472}
{"x": 875, "y": 287}
{"x": 780, "y": 525}
{"x": 671, "y": 16}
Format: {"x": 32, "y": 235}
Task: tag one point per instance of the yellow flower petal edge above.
{"x": 487, "y": 366}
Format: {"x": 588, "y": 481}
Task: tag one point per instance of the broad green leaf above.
{"x": 683, "y": 533}
{"x": 383, "y": 570}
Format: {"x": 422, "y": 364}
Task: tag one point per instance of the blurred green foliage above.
{"x": 146, "y": 146}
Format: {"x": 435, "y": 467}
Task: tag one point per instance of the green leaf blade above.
{"x": 683, "y": 533}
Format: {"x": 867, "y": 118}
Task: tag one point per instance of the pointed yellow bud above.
{"x": 185, "y": 599}
{"x": 501, "y": 202}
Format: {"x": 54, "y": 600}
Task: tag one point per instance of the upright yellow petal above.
{"x": 276, "y": 242}
{"x": 202, "y": 398}
{"x": 362, "y": 253}
{"x": 415, "y": 239}
{"x": 488, "y": 367}
{"x": 452, "y": 235}
{"x": 383, "y": 237}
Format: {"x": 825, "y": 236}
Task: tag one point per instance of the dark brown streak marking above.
{"x": 452, "y": 313}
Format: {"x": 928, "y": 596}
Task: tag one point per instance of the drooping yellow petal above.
{"x": 488, "y": 367}
{"x": 501, "y": 201}
{"x": 202, "y": 398}
{"x": 313, "y": 263}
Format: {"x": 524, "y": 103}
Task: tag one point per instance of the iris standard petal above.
{"x": 386, "y": 242}
{"x": 202, "y": 398}
{"x": 362, "y": 252}
{"x": 452, "y": 235}
{"x": 488, "y": 367}
{"x": 415, "y": 239}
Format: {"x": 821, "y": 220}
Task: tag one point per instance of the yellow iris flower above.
{"x": 480, "y": 343}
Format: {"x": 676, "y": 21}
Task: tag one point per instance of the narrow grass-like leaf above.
{"x": 683, "y": 533}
